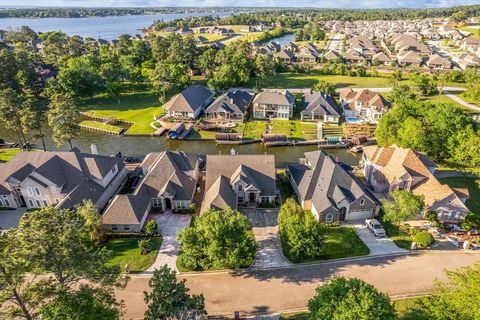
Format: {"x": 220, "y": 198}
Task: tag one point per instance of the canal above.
{"x": 140, "y": 146}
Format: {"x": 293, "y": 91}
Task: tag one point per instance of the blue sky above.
{"x": 259, "y": 3}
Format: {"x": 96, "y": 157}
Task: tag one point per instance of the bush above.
{"x": 431, "y": 216}
{"x": 144, "y": 246}
{"x": 472, "y": 220}
{"x": 151, "y": 228}
{"x": 424, "y": 239}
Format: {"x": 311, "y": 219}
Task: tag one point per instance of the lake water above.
{"x": 107, "y": 28}
{"x": 140, "y": 146}
{"x": 283, "y": 40}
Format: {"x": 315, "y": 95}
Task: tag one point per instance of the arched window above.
{"x": 329, "y": 218}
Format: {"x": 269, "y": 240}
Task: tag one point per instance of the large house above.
{"x": 274, "y": 104}
{"x": 169, "y": 183}
{"x": 330, "y": 190}
{"x": 319, "y": 106}
{"x": 190, "y": 103}
{"x": 239, "y": 180}
{"x": 363, "y": 104}
{"x": 388, "y": 168}
{"x": 232, "y": 105}
{"x": 60, "y": 179}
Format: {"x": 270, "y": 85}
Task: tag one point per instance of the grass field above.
{"x": 138, "y": 107}
{"x": 294, "y": 129}
{"x": 8, "y": 154}
{"x": 473, "y": 186}
{"x": 126, "y": 251}
{"x": 101, "y": 126}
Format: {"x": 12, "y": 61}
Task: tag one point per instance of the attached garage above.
{"x": 359, "y": 215}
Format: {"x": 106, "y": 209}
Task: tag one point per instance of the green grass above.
{"x": 202, "y": 134}
{"x": 8, "y": 154}
{"x": 102, "y": 126}
{"x": 126, "y": 251}
{"x": 138, "y": 107}
{"x": 407, "y": 309}
{"x": 443, "y": 99}
{"x": 294, "y": 129}
{"x": 473, "y": 186}
{"x": 343, "y": 242}
{"x": 400, "y": 238}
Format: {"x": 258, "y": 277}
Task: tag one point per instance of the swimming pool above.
{"x": 353, "y": 120}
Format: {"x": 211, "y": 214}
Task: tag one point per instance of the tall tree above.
{"x": 325, "y": 87}
{"x": 169, "y": 298}
{"x": 264, "y": 67}
{"x": 63, "y": 118}
{"x": 10, "y": 109}
{"x": 402, "y": 206}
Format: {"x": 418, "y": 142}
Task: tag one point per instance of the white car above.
{"x": 375, "y": 227}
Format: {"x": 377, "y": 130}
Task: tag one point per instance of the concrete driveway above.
{"x": 169, "y": 225}
{"x": 377, "y": 246}
{"x": 9, "y": 219}
{"x": 265, "y": 227}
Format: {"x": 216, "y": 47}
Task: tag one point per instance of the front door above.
{"x": 252, "y": 197}
{"x": 168, "y": 203}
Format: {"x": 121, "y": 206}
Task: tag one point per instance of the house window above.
{"x": 181, "y": 204}
{"x": 30, "y": 191}
{"x": 1, "y": 203}
{"x": 45, "y": 203}
{"x": 240, "y": 187}
{"x": 38, "y": 203}
{"x": 31, "y": 204}
{"x": 157, "y": 202}
{"x": 53, "y": 189}
{"x": 329, "y": 218}
{"x": 7, "y": 203}
{"x": 362, "y": 202}
{"x": 264, "y": 199}
{"x": 37, "y": 191}
{"x": 126, "y": 227}
{"x": 114, "y": 227}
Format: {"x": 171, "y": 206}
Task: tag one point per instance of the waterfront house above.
{"x": 363, "y": 104}
{"x": 169, "y": 182}
{"x": 329, "y": 189}
{"x": 274, "y": 104}
{"x": 239, "y": 180}
{"x": 388, "y": 168}
{"x": 319, "y": 106}
{"x": 190, "y": 103}
{"x": 233, "y": 105}
{"x": 60, "y": 179}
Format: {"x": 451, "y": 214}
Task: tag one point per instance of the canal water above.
{"x": 140, "y": 146}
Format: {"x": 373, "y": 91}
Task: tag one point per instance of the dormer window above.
{"x": 114, "y": 169}
{"x": 362, "y": 202}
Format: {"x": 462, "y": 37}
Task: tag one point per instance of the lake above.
{"x": 107, "y": 28}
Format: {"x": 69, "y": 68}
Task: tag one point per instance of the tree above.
{"x": 464, "y": 149}
{"x": 454, "y": 299}
{"x": 324, "y": 87}
{"x": 402, "y": 206}
{"x": 144, "y": 246}
{"x": 350, "y": 299}
{"x": 472, "y": 221}
{"x": 424, "y": 84}
{"x": 264, "y": 67}
{"x": 151, "y": 228}
{"x": 170, "y": 298}
{"x": 301, "y": 234}
{"x": 424, "y": 239}
{"x": 218, "y": 240}
{"x": 63, "y": 118}
{"x": 10, "y": 108}
{"x": 93, "y": 221}
{"x": 32, "y": 116}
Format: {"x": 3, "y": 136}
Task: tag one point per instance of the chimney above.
{"x": 232, "y": 152}
{"x": 93, "y": 148}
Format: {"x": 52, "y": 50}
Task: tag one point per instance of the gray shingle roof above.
{"x": 189, "y": 100}
{"x": 220, "y": 195}
{"x": 236, "y": 101}
{"x": 274, "y": 97}
{"x": 319, "y": 103}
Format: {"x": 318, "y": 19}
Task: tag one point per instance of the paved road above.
{"x": 335, "y": 42}
{"x": 377, "y": 246}
{"x": 169, "y": 225}
{"x": 289, "y": 288}
{"x": 461, "y": 101}
{"x": 265, "y": 228}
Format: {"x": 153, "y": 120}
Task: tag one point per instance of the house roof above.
{"x": 325, "y": 182}
{"x": 236, "y": 101}
{"x": 220, "y": 195}
{"x": 319, "y": 103}
{"x": 436, "y": 59}
{"x": 189, "y": 100}
{"x": 167, "y": 174}
{"x": 332, "y": 55}
{"x": 283, "y": 97}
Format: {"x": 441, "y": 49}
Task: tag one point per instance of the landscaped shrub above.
{"x": 472, "y": 220}
{"x": 144, "y": 246}
{"x": 424, "y": 239}
{"x": 151, "y": 228}
{"x": 431, "y": 216}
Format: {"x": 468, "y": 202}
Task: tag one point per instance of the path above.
{"x": 460, "y": 101}
{"x": 335, "y": 42}
{"x": 290, "y": 288}
{"x": 169, "y": 226}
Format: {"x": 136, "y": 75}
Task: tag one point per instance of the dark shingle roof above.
{"x": 189, "y": 100}
{"x": 319, "y": 103}
{"x": 231, "y": 102}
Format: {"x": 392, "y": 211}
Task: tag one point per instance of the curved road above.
{"x": 290, "y": 288}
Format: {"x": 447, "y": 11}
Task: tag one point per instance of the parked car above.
{"x": 375, "y": 227}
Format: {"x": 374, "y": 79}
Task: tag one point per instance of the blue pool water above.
{"x": 353, "y": 120}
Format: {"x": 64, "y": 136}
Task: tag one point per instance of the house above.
{"x": 332, "y": 56}
{"x": 169, "y": 184}
{"x": 388, "y": 168}
{"x": 190, "y": 103}
{"x": 406, "y": 42}
{"x": 467, "y": 60}
{"x": 363, "y": 104}
{"x": 319, "y": 106}
{"x": 232, "y": 105}
{"x": 353, "y": 56}
{"x": 285, "y": 56}
{"x": 381, "y": 58}
{"x": 239, "y": 180}
{"x": 330, "y": 191}
{"x": 291, "y": 47}
{"x": 201, "y": 39}
{"x": 274, "y": 104}
{"x": 307, "y": 55}
{"x": 60, "y": 179}
{"x": 436, "y": 61}
{"x": 184, "y": 31}
{"x": 409, "y": 58}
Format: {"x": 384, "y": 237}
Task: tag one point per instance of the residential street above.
{"x": 289, "y": 288}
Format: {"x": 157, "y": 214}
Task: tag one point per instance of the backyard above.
{"x": 126, "y": 251}
{"x": 8, "y": 154}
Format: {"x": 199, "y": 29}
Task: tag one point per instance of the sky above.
{"x": 244, "y": 3}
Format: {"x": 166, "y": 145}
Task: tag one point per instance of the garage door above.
{"x": 359, "y": 215}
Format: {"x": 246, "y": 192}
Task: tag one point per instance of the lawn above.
{"x": 101, "y": 126}
{"x": 126, "y": 251}
{"x": 400, "y": 238}
{"x": 473, "y": 185}
{"x": 210, "y": 36}
{"x": 8, "y": 154}
{"x": 136, "y": 107}
{"x": 406, "y": 310}
{"x": 441, "y": 98}
{"x": 294, "y": 129}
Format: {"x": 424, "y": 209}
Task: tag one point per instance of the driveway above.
{"x": 9, "y": 219}
{"x": 265, "y": 227}
{"x": 377, "y": 246}
{"x": 169, "y": 225}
